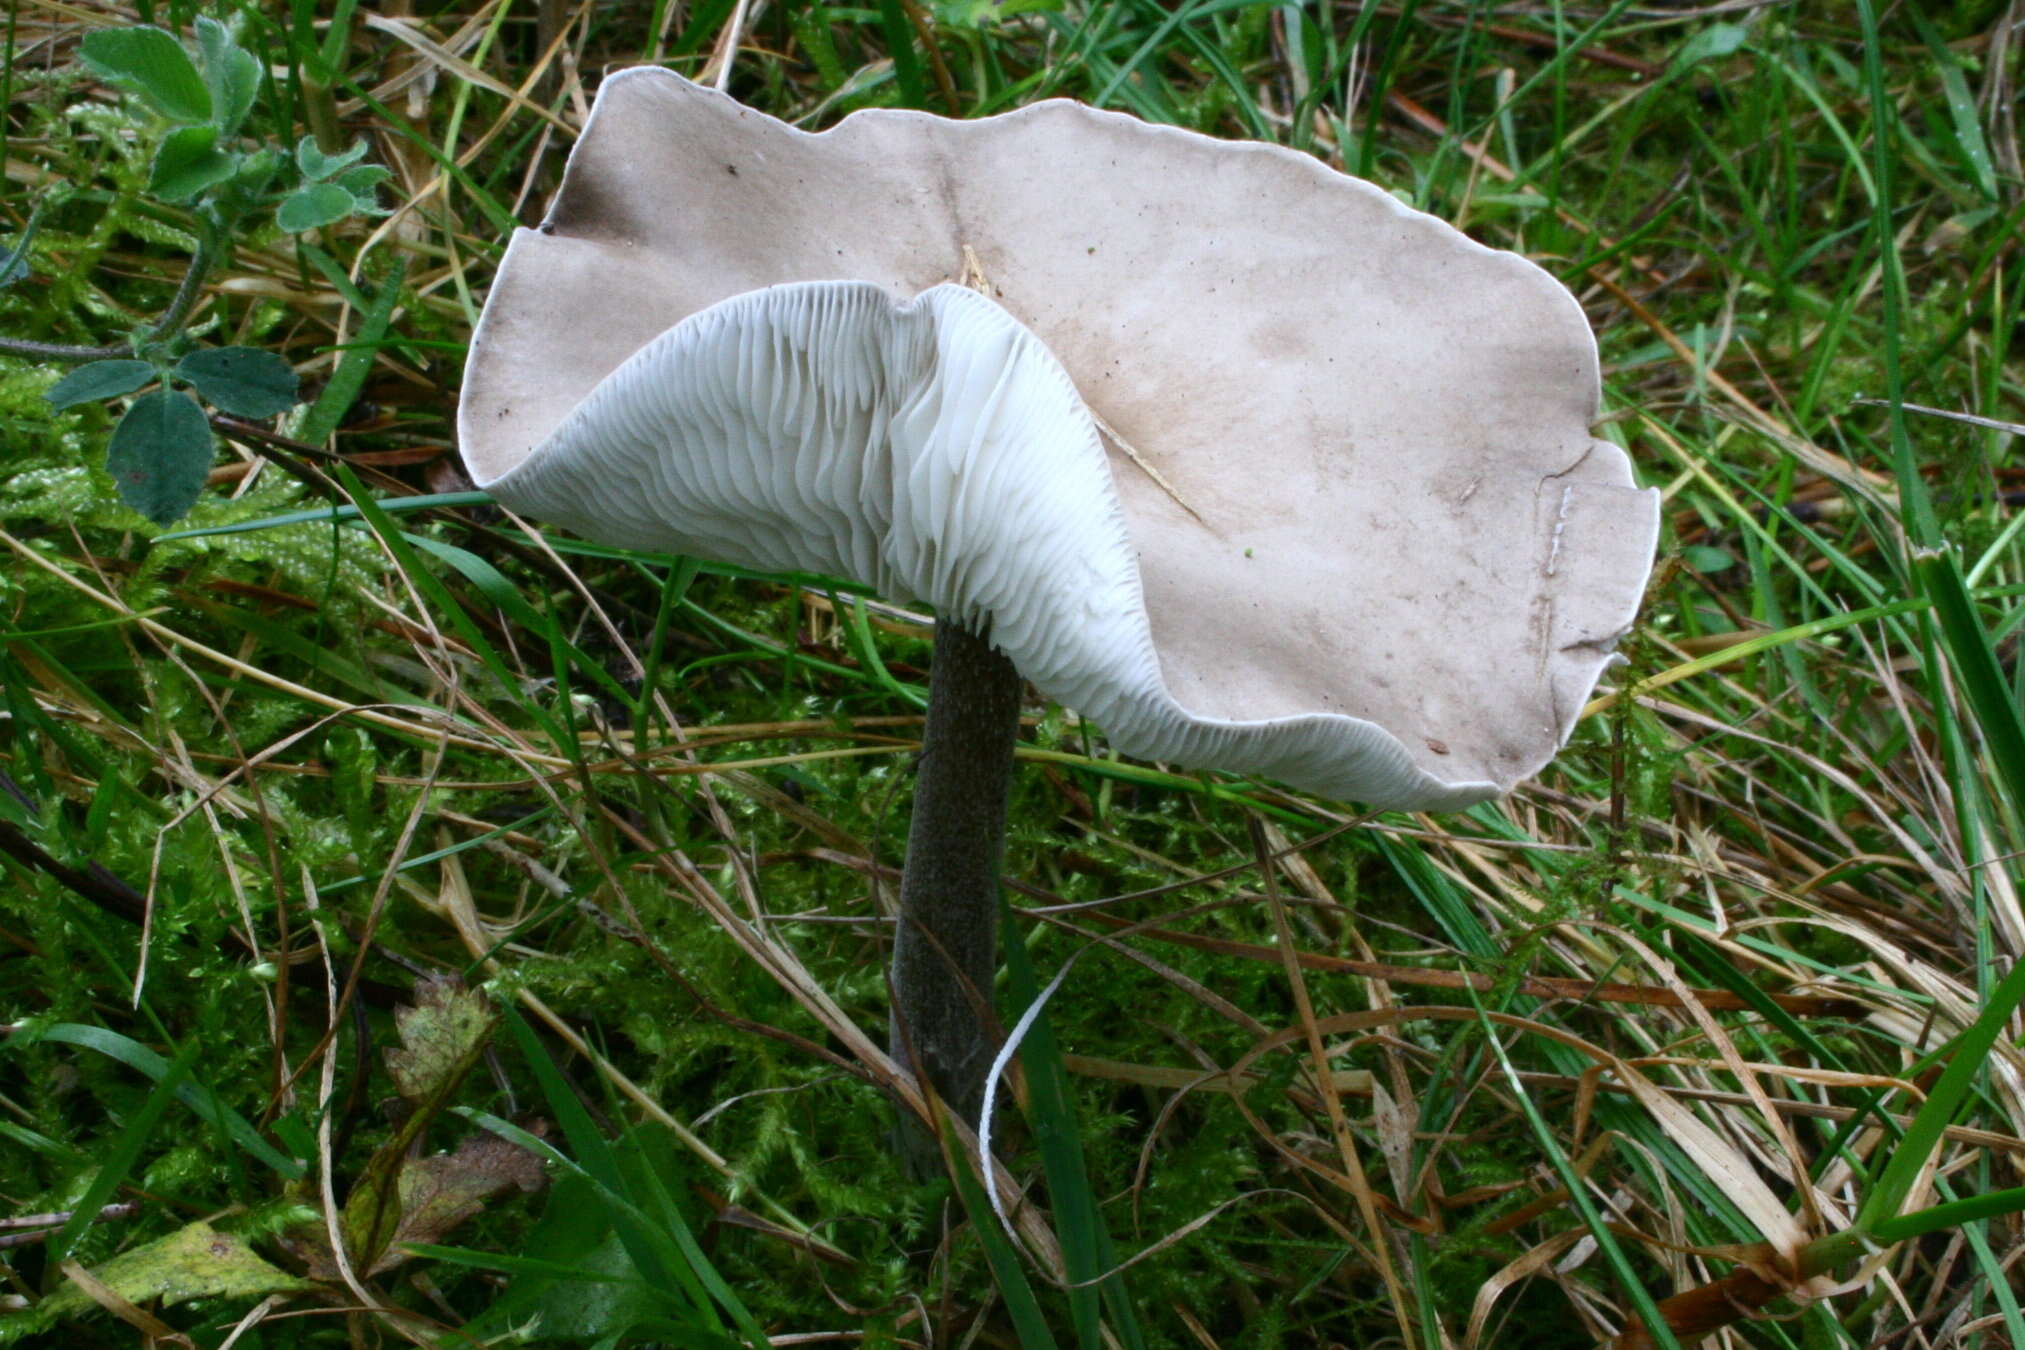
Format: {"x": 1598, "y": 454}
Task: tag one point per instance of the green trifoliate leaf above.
{"x": 99, "y": 379}
{"x": 1711, "y": 44}
{"x": 189, "y": 162}
{"x": 317, "y": 166}
{"x": 317, "y": 204}
{"x": 230, "y": 73}
{"x": 360, "y": 180}
{"x": 244, "y": 381}
{"x": 160, "y": 452}
{"x": 153, "y": 64}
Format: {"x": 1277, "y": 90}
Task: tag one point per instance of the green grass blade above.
{"x": 900, "y": 46}
{"x": 1087, "y": 1251}
{"x": 677, "y": 1227}
{"x": 1578, "y": 1196}
{"x": 119, "y": 1159}
{"x": 592, "y": 1153}
{"x": 1910, "y": 1156}
{"x": 657, "y": 1257}
{"x": 1977, "y": 669}
{"x": 1915, "y": 507}
{"x": 446, "y": 605}
{"x": 323, "y": 515}
{"x": 1011, "y": 1277}
{"x": 1954, "y": 1214}
{"x": 330, "y": 669}
{"x": 858, "y": 631}
{"x": 194, "y": 1095}
{"x": 665, "y": 1246}
{"x": 349, "y": 379}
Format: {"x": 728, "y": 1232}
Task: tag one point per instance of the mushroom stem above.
{"x": 946, "y": 949}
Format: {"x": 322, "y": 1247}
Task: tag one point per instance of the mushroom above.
{"x": 1234, "y": 455}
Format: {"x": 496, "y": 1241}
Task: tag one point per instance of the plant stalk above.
{"x": 946, "y": 948}
{"x": 191, "y": 287}
{"x": 180, "y": 305}
{"x": 61, "y": 351}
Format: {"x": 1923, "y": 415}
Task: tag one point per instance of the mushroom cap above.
{"x": 1367, "y": 545}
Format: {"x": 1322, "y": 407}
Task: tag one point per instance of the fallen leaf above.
{"x": 432, "y": 1195}
{"x": 443, "y": 1190}
{"x": 193, "y": 1262}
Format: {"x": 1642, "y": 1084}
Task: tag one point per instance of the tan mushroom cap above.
{"x": 1392, "y": 522}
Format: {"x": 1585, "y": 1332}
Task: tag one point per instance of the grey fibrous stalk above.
{"x": 946, "y": 947}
